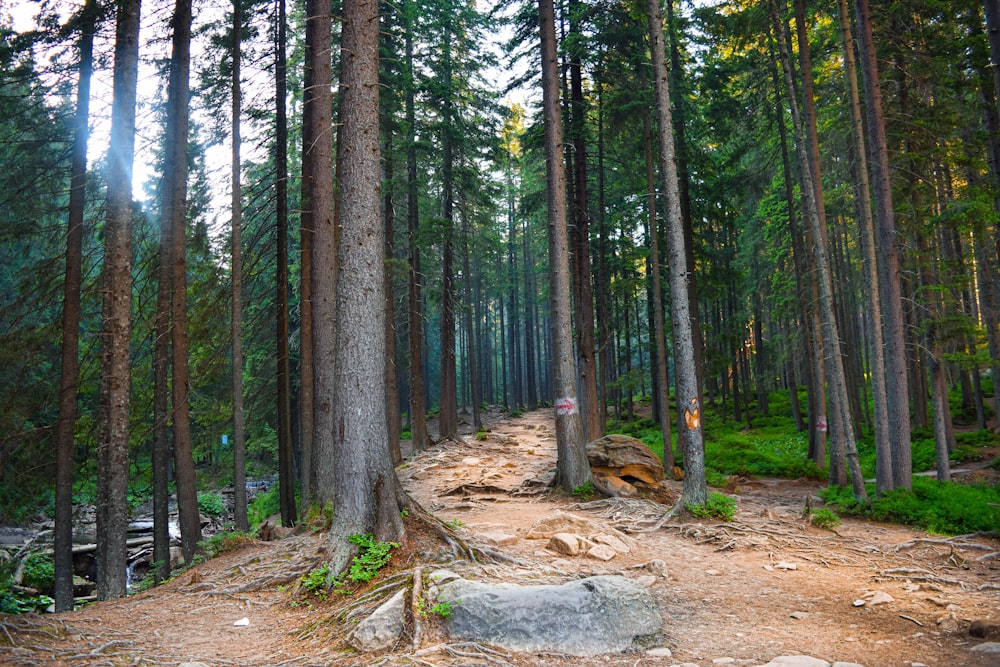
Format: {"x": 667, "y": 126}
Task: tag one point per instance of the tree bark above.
{"x": 887, "y": 256}
{"x": 286, "y": 462}
{"x": 116, "y": 324}
{"x": 866, "y": 225}
{"x": 69, "y": 377}
{"x": 175, "y": 215}
{"x": 366, "y": 498}
{"x": 690, "y": 436}
{"x": 572, "y": 467}
{"x": 324, "y": 255}
{"x": 418, "y": 409}
{"x": 841, "y": 420}
{"x": 236, "y": 268}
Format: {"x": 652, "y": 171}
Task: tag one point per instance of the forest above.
{"x": 271, "y": 241}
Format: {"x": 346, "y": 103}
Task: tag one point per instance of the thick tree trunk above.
{"x": 69, "y": 377}
{"x": 366, "y": 498}
{"x": 593, "y": 423}
{"x": 887, "y": 256}
{"x": 324, "y": 255}
{"x": 307, "y": 479}
{"x": 573, "y": 469}
{"x": 116, "y": 320}
{"x": 690, "y": 437}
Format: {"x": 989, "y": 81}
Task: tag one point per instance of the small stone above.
{"x": 659, "y": 652}
{"x": 657, "y": 567}
{"x": 646, "y": 580}
{"x": 442, "y": 576}
{"x": 470, "y": 461}
{"x": 242, "y": 623}
{"x": 880, "y": 598}
{"x": 988, "y": 647}
{"x": 785, "y": 566}
{"x": 601, "y": 552}
{"x": 723, "y": 661}
{"x": 948, "y": 623}
{"x": 713, "y": 573}
{"x": 566, "y": 544}
{"x": 938, "y": 602}
{"x": 799, "y": 615}
{"x": 611, "y": 541}
{"x": 916, "y": 664}
{"x": 499, "y": 539}
{"x": 858, "y": 603}
{"x": 769, "y": 568}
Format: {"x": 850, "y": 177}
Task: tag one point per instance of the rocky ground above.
{"x": 743, "y": 593}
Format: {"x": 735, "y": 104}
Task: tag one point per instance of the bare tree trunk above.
{"x": 366, "y": 498}
{"x": 286, "y": 461}
{"x": 887, "y": 255}
{"x": 236, "y": 268}
{"x": 69, "y": 377}
{"x": 307, "y": 478}
{"x": 866, "y": 224}
{"x": 393, "y": 424}
{"x": 418, "y": 409}
{"x": 324, "y": 255}
{"x": 835, "y": 367}
{"x": 175, "y": 215}
{"x": 690, "y": 436}
{"x": 473, "y": 356}
{"x": 573, "y": 469}
{"x": 116, "y": 316}
{"x": 659, "y": 327}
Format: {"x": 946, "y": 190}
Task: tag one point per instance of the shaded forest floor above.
{"x": 764, "y": 585}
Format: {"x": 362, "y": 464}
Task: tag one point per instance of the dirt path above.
{"x": 740, "y": 593}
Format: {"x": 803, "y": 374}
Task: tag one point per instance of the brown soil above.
{"x": 725, "y": 595}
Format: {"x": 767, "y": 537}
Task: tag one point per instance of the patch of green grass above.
{"x": 770, "y": 452}
{"x": 211, "y": 504}
{"x": 717, "y": 506}
{"x": 824, "y": 518}
{"x": 372, "y": 557}
{"x": 316, "y": 581}
{"x": 944, "y": 508}
{"x": 482, "y": 434}
{"x": 223, "y": 542}
{"x": 585, "y": 492}
{"x": 264, "y": 505}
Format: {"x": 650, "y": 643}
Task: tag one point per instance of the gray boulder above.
{"x": 382, "y": 629}
{"x": 593, "y": 616}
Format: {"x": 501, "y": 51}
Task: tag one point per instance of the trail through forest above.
{"x": 765, "y": 585}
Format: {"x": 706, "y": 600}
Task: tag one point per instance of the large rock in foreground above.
{"x": 593, "y": 616}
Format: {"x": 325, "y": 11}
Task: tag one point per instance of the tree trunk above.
{"x": 473, "y": 356}
{"x": 887, "y": 256}
{"x": 286, "y": 462}
{"x": 69, "y": 377}
{"x": 393, "y": 423}
{"x": 307, "y": 479}
{"x": 174, "y": 212}
{"x": 659, "y": 328}
{"x": 418, "y": 409}
{"x": 116, "y": 324}
{"x": 690, "y": 436}
{"x": 593, "y": 423}
{"x": 841, "y": 410}
{"x": 866, "y": 225}
{"x": 572, "y": 467}
{"x": 364, "y": 476}
{"x": 324, "y": 255}
{"x": 236, "y": 268}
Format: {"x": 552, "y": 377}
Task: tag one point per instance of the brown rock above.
{"x": 625, "y": 457}
{"x": 566, "y": 544}
{"x": 613, "y": 487}
{"x": 601, "y": 552}
{"x": 559, "y": 522}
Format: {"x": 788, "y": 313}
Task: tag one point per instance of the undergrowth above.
{"x": 944, "y": 508}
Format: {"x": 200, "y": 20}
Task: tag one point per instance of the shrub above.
{"x": 40, "y": 573}
{"x": 824, "y": 518}
{"x": 264, "y": 505}
{"x": 372, "y": 557}
{"x": 211, "y": 504}
{"x": 718, "y": 506}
